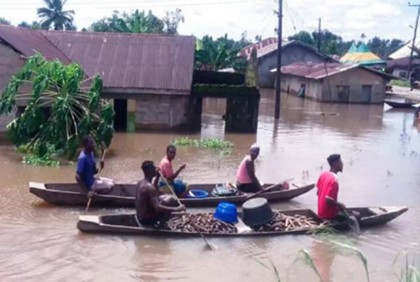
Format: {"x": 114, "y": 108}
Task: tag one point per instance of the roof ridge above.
{"x": 133, "y": 34}
{"x": 55, "y": 46}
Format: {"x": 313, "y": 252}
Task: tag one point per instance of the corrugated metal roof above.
{"x": 269, "y": 45}
{"x": 246, "y": 52}
{"x": 145, "y": 62}
{"x": 320, "y": 71}
{"x": 132, "y": 61}
{"x": 28, "y": 42}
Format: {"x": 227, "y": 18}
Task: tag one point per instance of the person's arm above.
{"x": 181, "y": 168}
{"x": 330, "y": 198}
{"x": 156, "y": 180}
{"x": 154, "y": 197}
{"x": 251, "y": 172}
{"x": 172, "y": 177}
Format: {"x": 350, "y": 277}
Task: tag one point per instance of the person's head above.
{"x": 89, "y": 143}
{"x": 171, "y": 152}
{"x": 335, "y": 163}
{"x": 254, "y": 151}
{"x": 149, "y": 169}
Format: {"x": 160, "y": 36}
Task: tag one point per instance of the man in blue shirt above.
{"x": 86, "y": 170}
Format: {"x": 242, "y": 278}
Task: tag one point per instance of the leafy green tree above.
{"x": 172, "y": 21}
{"x": 383, "y": 47}
{"x": 62, "y": 106}
{"x": 136, "y": 22}
{"x": 304, "y": 37}
{"x": 33, "y": 25}
{"x": 54, "y": 16}
{"x": 4, "y": 21}
{"x": 219, "y": 54}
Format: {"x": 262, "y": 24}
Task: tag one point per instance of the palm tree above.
{"x": 53, "y": 15}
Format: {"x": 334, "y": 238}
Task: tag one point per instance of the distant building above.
{"x": 399, "y": 67}
{"x": 361, "y": 55}
{"x": 292, "y": 52}
{"x": 334, "y": 82}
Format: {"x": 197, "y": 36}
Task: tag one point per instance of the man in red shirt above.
{"x": 328, "y": 206}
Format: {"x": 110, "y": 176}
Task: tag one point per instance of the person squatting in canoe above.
{"x": 329, "y": 208}
{"x": 167, "y": 171}
{"x": 246, "y": 180}
{"x": 87, "y": 169}
{"x": 150, "y": 207}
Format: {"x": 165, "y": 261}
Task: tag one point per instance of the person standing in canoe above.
{"x": 86, "y": 170}
{"x": 329, "y": 208}
{"x": 246, "y": 180}
{"x": 150, "y": 207}
{"x": 168, "y": 173}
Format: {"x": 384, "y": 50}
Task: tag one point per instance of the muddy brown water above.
{"x": 381, "y": 152}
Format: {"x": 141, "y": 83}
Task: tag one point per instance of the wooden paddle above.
{"x": 99, "y": 172}
{"x": 210, "y": 246}
{"x": 267, "y": 189}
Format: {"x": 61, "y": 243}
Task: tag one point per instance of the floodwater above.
{"x": 381, "y": 153}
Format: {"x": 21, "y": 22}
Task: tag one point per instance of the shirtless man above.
{"x": 151, "y": 208}
{"x": 246, "y": 179}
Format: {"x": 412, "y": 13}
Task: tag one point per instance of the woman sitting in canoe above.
{"x": 151, "y": 208}
{"x": 246, "y": 180}
{"x": 168, "y": 173}
{"x": 86, "y": 170}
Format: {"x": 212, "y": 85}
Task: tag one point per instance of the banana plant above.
{"x": 62, "y": 106}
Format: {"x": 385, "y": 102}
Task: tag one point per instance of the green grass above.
{"x": 408, "y": 273}
{"x": 46, "y": 160}
{"x": 32, "y": 158}
{"x": 400, "y": 82}
{"x": 208, "y": 143}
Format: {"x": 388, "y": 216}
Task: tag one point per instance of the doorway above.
{"x": 120, "y": 118}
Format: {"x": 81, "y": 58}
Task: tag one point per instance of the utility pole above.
{"x": 319, "y": 35}
{"x": 279, "y": 46}
{"x": 414, "y": 38}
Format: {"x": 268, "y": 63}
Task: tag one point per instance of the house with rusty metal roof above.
{"x": 292, "y": 52}
{"x": 334, "y": 82}
{"x": 147, "y": 74}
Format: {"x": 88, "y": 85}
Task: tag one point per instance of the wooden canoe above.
{"x": 123, "y": 195}
{"x": 127, "y": 224}
{"x": 400, "y": 105}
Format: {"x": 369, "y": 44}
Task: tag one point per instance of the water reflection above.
{"x": 323, "y": 254}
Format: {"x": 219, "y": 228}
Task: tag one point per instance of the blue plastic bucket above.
{"x": 194, "y": 193}
{"x": 226, "y": 212}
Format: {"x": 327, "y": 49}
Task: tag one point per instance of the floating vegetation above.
{"x": 210, "y": 143}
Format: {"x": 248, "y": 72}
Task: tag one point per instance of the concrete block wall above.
{"x": 161, "y": 111}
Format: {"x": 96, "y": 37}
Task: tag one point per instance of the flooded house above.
{"x": 292, "y": 52}
{"x": 147, "y": 77}
{"x": 334, "y": 82}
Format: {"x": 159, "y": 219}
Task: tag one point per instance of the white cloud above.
{"x": 348, "y": 18}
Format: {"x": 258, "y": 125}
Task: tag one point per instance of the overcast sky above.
{"x": 348, "y": 18}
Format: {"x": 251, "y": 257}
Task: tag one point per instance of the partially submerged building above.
{"x": 148, "y": 76}
{"x": 292, "y": 52}
{"x": 334, "y": 82}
